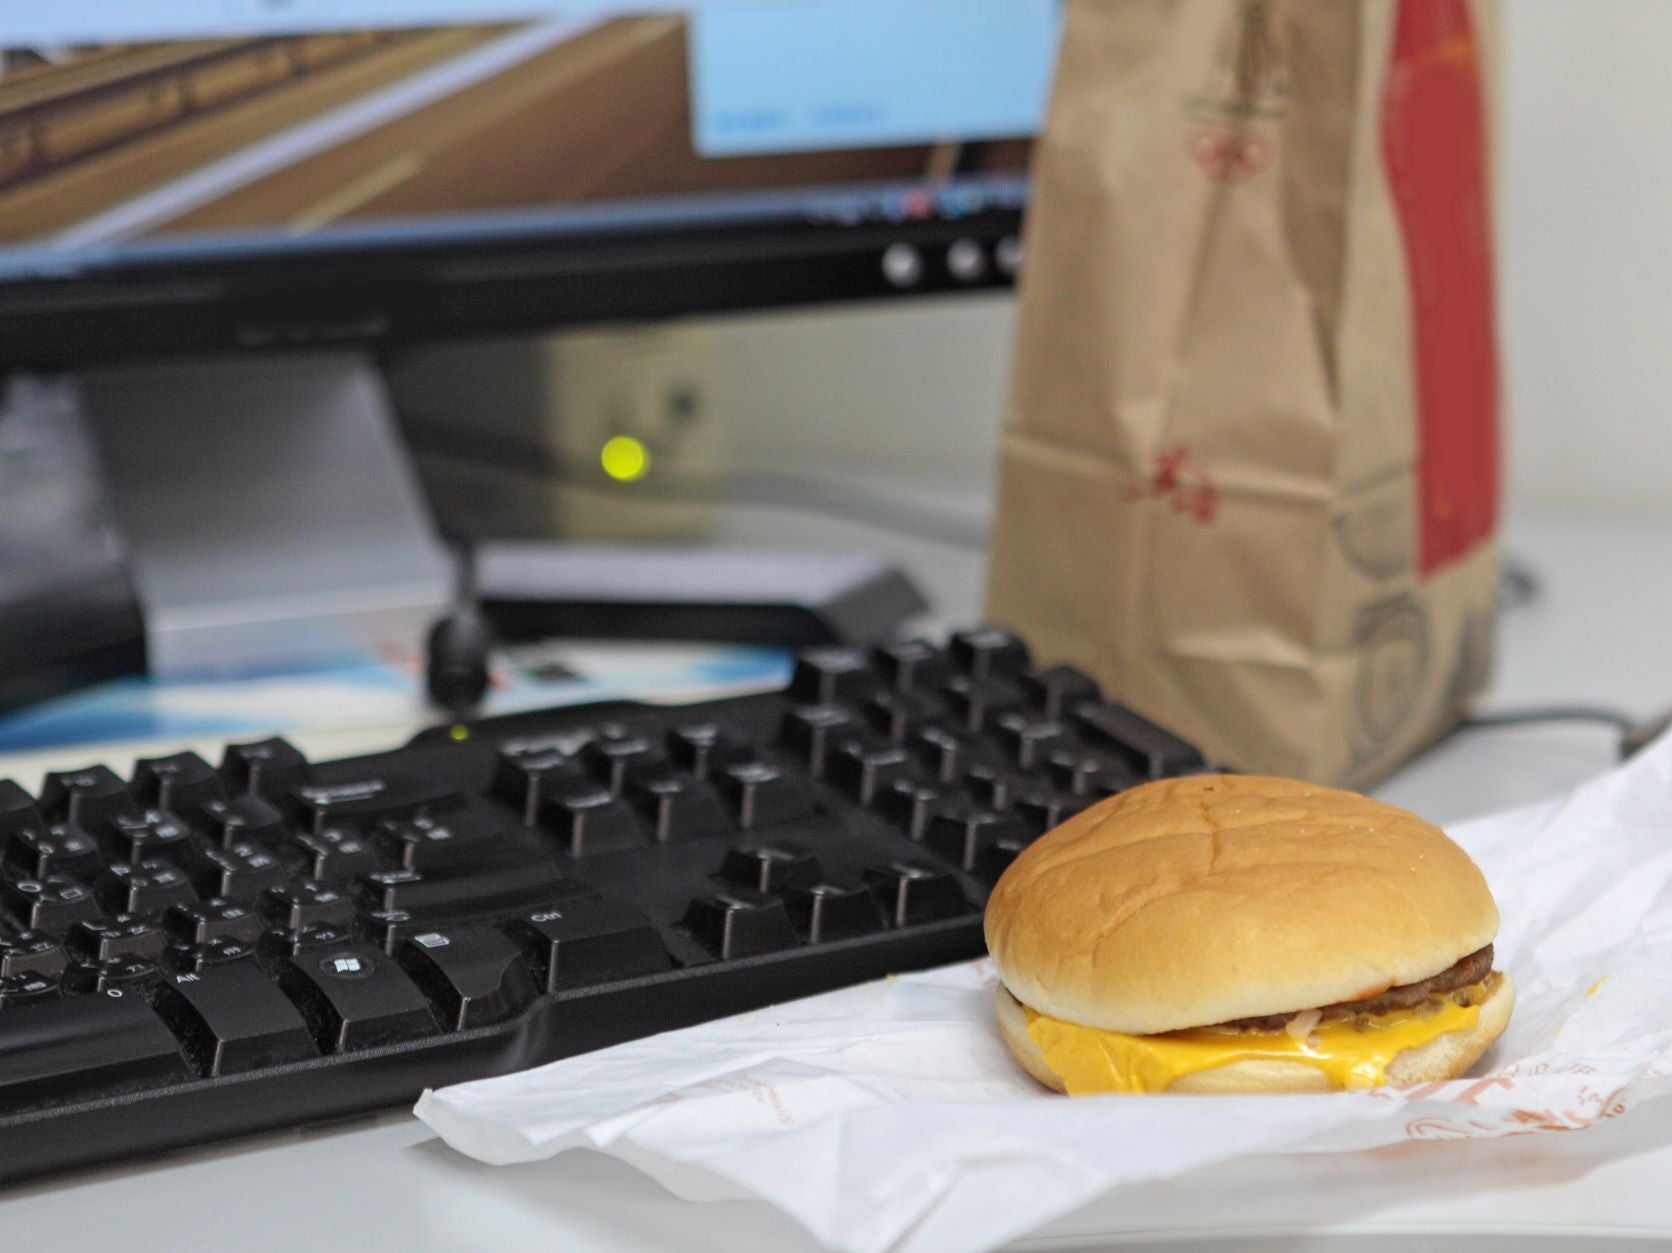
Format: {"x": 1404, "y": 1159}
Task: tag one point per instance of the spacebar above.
{"x": 88, "y": 1045}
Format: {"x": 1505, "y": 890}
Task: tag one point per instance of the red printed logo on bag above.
{"x": 1227, "y": 156}
{"x": 1232, "y": 139}
{"x": 1182, "y": 483}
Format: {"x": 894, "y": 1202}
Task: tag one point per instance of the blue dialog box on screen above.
{"x": 823, "y": 74}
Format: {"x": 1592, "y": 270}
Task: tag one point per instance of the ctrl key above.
{"x": 913, "y": 893}
{"x": 66, "y": 1050}
{"x": 588, "y": 939}
{"x": 354, "y": 996}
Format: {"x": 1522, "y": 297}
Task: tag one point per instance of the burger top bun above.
{"x": 1206, "y": 899}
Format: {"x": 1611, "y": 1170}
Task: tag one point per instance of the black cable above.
{"x": 1553, "y": 713}
{"x": 1635, "y": 733}
{"x": 1518, "y": 584}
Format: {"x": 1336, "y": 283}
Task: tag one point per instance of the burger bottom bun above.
{"x": 1444, "y": 1057}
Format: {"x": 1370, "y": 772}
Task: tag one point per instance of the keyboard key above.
{"x": 586, "y": 940}
{"x": 100, "y": 939}
{"x": 960, "y": 836}
{"x": 87, "y": 797}
{"x": 1152, "y": 751}
{"x": 1081, "y": 773}
{"x": 1028, "y": 740}
{"x": 912, "y": 893}
{"x": 1040, "y": 811}
{"x": 862, "y": 772}
{"x": 590, "y": 823}
{"x": 771, "y": 867}
{"x": 146, "y": 888}
{"x": 181, "y": 782}
{"x": 995, "y": 858}
{"x": 391, "y": 794}
{"x": 215, "y": 919}
{"x": 62, "y": 848}
{"x": 50, "y": 902}
{"x": 354, "y": 997}
{"x": 1055, "y": 690}
{"x": 741, "y": 922}
{"x": 977, "y": 704}
{"x": 241, "y": 820}
{"x": 616, "y": 762}
{"x": 763, "y": 796}
{"x": 811, "y": 732}
{"x": 472, "y": 975}
{"x": 28, "y": 989}
{"x": 30, "y": 953}
{"x": 242, "y": 872}
{"x": 911, "y": 665}
{"x": 568, "y": 741}
{"x": 51, "y": 1054}
{"x": 264, "y": 768}
{"x": 988, "y": 652}
{"x": 942, "y": 751}
{"x": 307, "y": 903}
{"x": 335, "y": 855}
{"x": 121, "y": 976}
{"x": 514, "y": 880}
{"x": 994, "y": 787}
{"x": 149, "y": 833}
{"x": 677, "y": 807}
{"x": 210, "y": 955}
{"x": 827, "y": 676}
{"x": 832, "y": 911}
{"x": 434, "y": 842}
{"x": 526, "y": 780}
{"x": 702, "y": 748}
{"x": 277, "y": 945}
{"x": 233, "y": 1019}
{"x": 908, "y": 805}
{"x": 898, "y": 716}
{"x": 18, "y": 811}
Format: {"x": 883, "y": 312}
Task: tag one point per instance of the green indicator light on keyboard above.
{"x": 625, "y": 459}
{"x": 459, "y": 732}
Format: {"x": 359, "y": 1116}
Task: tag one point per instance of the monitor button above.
{"x": 902, "y": 265}
{"x": 1008, "y": 255}
{"x": 965, "y": 261}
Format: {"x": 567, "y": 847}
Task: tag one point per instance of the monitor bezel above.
{"x": 450, "y": 287}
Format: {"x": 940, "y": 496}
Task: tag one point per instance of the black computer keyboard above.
{"x": 199, "y": 951}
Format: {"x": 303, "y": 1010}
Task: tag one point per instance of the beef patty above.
{"x": 1471, "y": 969}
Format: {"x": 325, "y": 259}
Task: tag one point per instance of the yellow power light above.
{"x": 625, "y": 459}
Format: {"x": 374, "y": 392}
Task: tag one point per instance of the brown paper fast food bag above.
{"x": 1250, "y": 470}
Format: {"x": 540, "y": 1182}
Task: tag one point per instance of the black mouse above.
{"x": 456, "y": 674}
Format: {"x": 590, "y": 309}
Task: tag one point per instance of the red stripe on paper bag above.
{"x": 1434, "y": 146}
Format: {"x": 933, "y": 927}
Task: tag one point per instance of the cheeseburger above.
{"x": 1232, "y": 933}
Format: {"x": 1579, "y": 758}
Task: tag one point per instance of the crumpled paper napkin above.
{"x": 890, "y": 1116}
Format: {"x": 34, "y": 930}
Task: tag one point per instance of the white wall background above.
{"x": 1586, "y": 276}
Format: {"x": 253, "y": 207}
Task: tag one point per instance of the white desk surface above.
{"x": 1596, "y": 633}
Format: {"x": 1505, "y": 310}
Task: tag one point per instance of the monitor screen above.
{"x": 193, "y": 132}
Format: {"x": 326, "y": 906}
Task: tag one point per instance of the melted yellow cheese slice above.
{"x": 1090, "y": 1061}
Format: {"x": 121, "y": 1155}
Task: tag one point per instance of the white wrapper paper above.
{"x": 891, "y": 1116}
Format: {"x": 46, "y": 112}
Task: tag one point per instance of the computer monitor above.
{"x": 216, "y": 213}
{"x": 221, "y": 174}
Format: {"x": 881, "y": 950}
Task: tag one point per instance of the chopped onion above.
{"x": 1300, "y": 1026}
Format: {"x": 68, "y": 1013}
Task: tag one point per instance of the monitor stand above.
{"x": 269, "y": 510}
